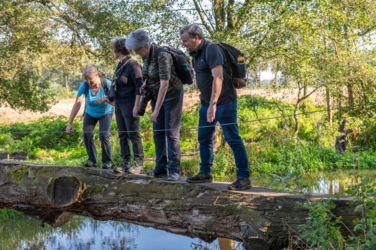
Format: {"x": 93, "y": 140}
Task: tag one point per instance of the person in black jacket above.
{"x": 128, "y": 97}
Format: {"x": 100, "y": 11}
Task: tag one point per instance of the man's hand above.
{"x": 69, "y": 128}
{"x": 210, "y": 115}
{"x": 154, "y": 115}
{"x": 135, "y": 115}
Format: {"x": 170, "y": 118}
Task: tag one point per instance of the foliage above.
{"x": 52, "y": 35}
{"x": 323, "y": 230}
{"x": 8, "y": 214}
{"x": 198, "y": 246}
{"x": 270, "y": 144}
{"x": 20, "y": 230}
{"x": 307, "y": 44}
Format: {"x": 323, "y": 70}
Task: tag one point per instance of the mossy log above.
{"x": 53, "y": 194}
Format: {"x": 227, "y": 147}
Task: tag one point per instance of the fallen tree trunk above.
{"x": 53, "y": 194}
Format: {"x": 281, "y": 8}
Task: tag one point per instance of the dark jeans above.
{"x": 169, "y": 119}
{"x": 126, "y": 122}
{"x": 225, "y": 114}
{"x": 104, "y": 136}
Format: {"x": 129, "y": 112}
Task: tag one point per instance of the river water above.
{"x": 24, "y": 232}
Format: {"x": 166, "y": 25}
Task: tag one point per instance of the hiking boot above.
{"x": 240, "y": 184}
{"x": 201, "y": 178}
{"x": 90, "y": 164}
{"x": 138, "y": 167}
{"x": 173, "y": 177}
{"x": 106, "y": 165}
{"x": 155, "y": 174}
{"x": 123, "y": 167}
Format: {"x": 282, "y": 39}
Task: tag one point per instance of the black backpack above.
{"x": 236, "y": 63}
{"x": 183, "y": 67}
{"x": 104, "y": 85}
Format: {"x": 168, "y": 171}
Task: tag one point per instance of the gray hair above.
{"x": 193, "y": 31}
{"x": 137, "y": 39}
{"x": 89, "y": 71}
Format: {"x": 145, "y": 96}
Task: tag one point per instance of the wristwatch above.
{"x": 211, "y": 103}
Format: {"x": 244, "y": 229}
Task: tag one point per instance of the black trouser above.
{"x": 169, "y": 119}
{"x": 129, "y": 131}
{"x": 104, "y": 136}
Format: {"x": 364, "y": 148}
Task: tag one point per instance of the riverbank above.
{"x": 63, "y": 107}
{"x": 272, "y": 146}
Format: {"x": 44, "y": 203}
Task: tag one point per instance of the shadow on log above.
{"x": 255, "y": 217}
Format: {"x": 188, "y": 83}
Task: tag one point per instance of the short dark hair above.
{"x": 193, "y": 31}
{"x": 119, "y": 46}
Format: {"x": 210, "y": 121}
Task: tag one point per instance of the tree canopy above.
{"x": 40, "y": 35}
{"x": 314, "y": 44}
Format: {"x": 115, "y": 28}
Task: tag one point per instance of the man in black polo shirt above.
{"x": 218, "y": 104}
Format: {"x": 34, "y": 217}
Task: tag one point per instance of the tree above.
{"x": 313, "y": 43}
{"x": 30, "y": 29}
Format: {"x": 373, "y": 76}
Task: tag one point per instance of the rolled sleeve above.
{"x": 164, "y": 66}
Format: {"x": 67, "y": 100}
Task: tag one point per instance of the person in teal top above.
{"x": 98, "y": 109}
{"x": 92, "y": 108}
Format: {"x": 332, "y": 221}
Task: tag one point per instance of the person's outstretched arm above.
{"x": 75, "y": 109}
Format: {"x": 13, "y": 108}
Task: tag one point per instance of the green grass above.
{"x": 271, "y": 145}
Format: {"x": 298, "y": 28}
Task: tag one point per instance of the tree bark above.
{"x": 230, "y": 15}
{"x": 339, "y": 100}
{"x": 53, "y": 193}
{"x": 350, "y": 93}
{"x": 296, "y": 118}
{"x": 304, "y": 104}
{"x": 328, "y": 105}
{"x": 298, "y": 102}
{"x": 219, "y": 14}
{"x": 201, "y": 12}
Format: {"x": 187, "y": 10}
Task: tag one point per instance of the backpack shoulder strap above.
{"x": 85, "y": 93}
{"x": 104, "y": 84}
{"x": 227, "y": 57}
{"x": 158, "y": 51}
{"x": 206, "y": 51}
{"x": 226, "y": 54}
{"x": 86, "y": 89}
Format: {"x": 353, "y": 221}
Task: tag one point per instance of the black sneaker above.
{"x": 123, "y": 167}
{"x": 153, "y": 174}
{"x": 201, "y": 178}
{"x": 90, "y": 164}
{"x": 138, "y": 167}
{"x": 106, "y": 165}
{"x": 240, "y": 184}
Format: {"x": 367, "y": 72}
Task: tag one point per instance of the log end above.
{"x": 64, "y": 191}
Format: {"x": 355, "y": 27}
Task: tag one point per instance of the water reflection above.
{"x": 24, "y": 232}
{"x": 329, "y": 182}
